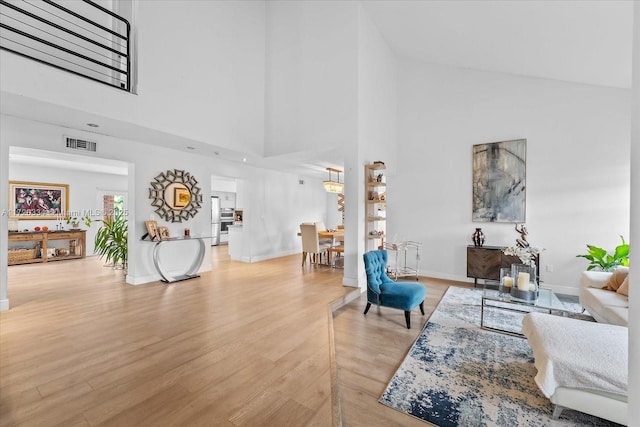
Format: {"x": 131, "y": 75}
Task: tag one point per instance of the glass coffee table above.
{"x": 502, "y": 312}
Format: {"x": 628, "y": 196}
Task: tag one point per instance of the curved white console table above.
{"x": 191, "y": 272}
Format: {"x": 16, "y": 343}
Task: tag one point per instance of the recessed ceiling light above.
{"x": 244, "y": 159}
{"x": 191, "y": 148}
{"x": 93, "y": 125}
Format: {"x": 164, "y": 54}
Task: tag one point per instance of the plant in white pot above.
{"x": 600, "y": 259}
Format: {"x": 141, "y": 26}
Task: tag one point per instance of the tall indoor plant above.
{"x": 111, "y": 241}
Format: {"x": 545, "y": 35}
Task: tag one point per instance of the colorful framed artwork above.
{"x": 38, "y": 200}
{"x": 499, "y": 181}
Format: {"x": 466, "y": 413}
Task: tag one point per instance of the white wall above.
{"x": 220, "y": 101}
{"x": 83, "y": 194}
{"x": 311, "y": 69}
{"x": 333, "y": 217}
{"x": 577, "y": 166}
{"x": 275, "y": 205}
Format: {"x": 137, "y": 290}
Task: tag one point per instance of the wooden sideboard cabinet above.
{"x": 484, "y": 262}
{"x": 54, "y": 245}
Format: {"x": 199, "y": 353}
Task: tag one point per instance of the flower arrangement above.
{"x": 75, "y": 221}
{"x": 523, "y": 250}
{"x": 527, "y": 254}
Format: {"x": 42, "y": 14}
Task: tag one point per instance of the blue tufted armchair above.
{"x": 383, "y": 291}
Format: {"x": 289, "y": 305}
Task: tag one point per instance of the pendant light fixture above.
{"x": 333, "y": 186}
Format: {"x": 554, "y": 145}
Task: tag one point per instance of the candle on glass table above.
{"x": 523, "y": 281}
{"x": 507, "y": 281}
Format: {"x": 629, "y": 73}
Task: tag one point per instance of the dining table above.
{"x": 335, "y": 236}
{"x": 332, "y": 234}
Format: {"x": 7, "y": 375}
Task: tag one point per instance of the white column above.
{"x": 4, "y": 206}
{"x": 634, "y": 293}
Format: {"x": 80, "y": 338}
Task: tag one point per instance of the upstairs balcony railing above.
{"x": 89, "y": 40}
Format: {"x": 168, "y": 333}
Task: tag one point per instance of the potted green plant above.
{"x": 75, "y": 221}
{"x": 600, "y": 259}
{"x": 111, "y": 241}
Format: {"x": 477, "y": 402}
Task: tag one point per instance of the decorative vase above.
{"x": 525, "y": 285}
{"x": 478, "y": 237}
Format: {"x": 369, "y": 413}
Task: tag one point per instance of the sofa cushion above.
{"x": 594, "y": 279}
{"x": 610, "y": 298}
{"x": 624, "y": 288}
{"x": 402, "y": 295}
{"x": 617, "y": 278}
{"x": 618, "y": 315}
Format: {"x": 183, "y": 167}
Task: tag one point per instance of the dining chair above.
{"x": 311, "y": 243}
{"x": 337, "y": 249}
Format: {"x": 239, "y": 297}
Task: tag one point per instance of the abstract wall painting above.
{"x": 499, "y": 181}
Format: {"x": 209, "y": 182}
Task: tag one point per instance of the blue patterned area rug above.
{"x": 457, "y": 374}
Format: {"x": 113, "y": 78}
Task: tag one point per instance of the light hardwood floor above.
{"x": 245, "y": 344}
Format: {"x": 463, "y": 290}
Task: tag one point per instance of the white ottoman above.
{"x": 581, "y": 365}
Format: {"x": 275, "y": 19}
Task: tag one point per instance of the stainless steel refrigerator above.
{"x": 215, "y": 221}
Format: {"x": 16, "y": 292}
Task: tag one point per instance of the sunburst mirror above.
{"x": 176, "y": 195}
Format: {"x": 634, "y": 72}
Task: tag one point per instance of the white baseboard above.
{"x": 4, "y": 304}
{"x": 559, "y": 289}
{"x": 444, "y": 276}
{"x": 348, "y": 281}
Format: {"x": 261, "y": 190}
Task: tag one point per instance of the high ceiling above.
{"x": 587, "y": 42}
{"x": 578, "y": 41}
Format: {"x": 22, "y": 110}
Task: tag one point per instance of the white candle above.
{"x": 523, "y": 281}
{"x": 507, "y": 281}
{"x": 532, "y": 287}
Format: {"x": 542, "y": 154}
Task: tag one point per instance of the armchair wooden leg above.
{"x": 407, "y": 317}
{"x": 304, "y": 258}
{"x": 422, "y": 307}
{"x": 367, "y": 308}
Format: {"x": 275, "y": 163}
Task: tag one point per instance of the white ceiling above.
{"x": 578, "y": 41}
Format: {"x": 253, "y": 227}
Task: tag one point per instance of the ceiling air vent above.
{"x": 80, "y": 144}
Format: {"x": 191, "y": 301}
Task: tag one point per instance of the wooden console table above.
{"x": 484, "y": 262}
{"x": 76, "y": 247}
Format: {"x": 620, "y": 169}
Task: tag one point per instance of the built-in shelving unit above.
{"x": 376, "y": 205}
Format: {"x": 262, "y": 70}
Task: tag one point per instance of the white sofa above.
{"x": 583, "y": 365}
{"x": 604, "y": 305}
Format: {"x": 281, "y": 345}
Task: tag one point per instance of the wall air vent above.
{"x": 80, "y": 144}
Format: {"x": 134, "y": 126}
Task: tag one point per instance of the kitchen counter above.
{"x": 236, "y": 238}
